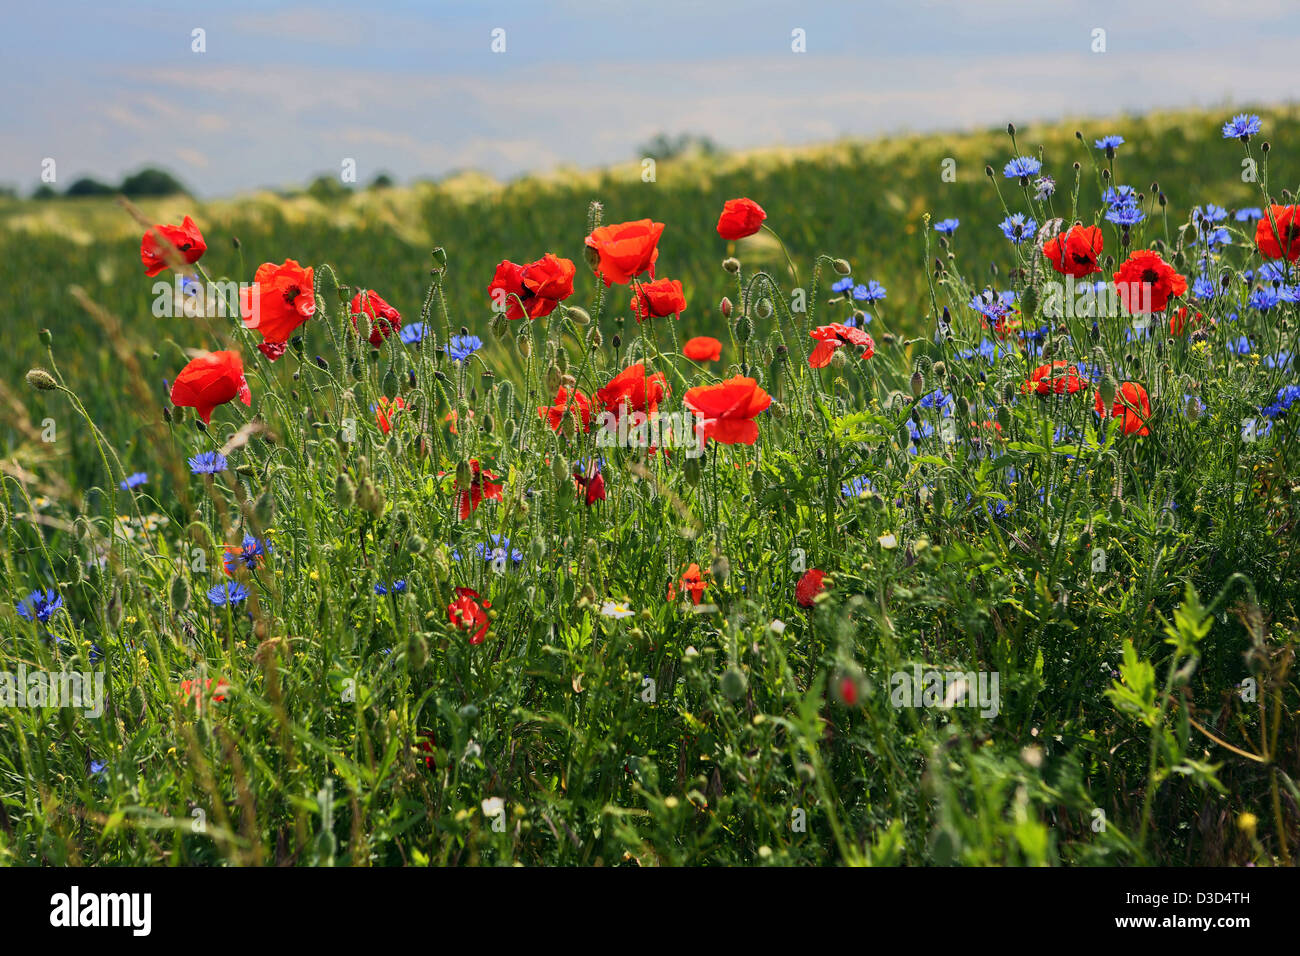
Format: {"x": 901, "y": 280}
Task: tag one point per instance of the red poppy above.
{"x": 550, "y": 277}
{"x": 386, "y": 412}
{"x": 190, "y": 690}
{"x": 211, "y": 380}
{"x": 659, "y": 299}
{"x": 1269, "y": 236}
{"x": 833, "y": 336}
{"x": 740, "y": 218}
{"x": 452, "y": 417}
{"x": 1132, "y": 402}
{"x": 1182, "y": 320}
{"x": 427, "y": 742}
{"x": 466, "y": 613}
{"x": 702, "y": 348}
{"x": 809, "y": 586}
{"x": 384, "y": 319}
{"x": 482, "y": 484}
{"x": 281, "y": 299}
{"x": 1075, "y": 253}
{"x": 626, "y": 249}
{"x": 185, "y": 238}
{"x": 538, "y": 285}
{"x": 593, "y": 482}
{"x": 1060, "y": 377}
{"x": 633, "y": 390}
{"x": 564, "y": 404}
{"x": 692, "y": 583}
{"x": 848, "y": 689}
{"x": 1146, "y": 283}
{"x": 728, "y": 409}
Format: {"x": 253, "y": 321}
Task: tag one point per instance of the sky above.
{"x": 282, "y": 92}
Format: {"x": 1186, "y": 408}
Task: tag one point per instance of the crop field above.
{"x": 931, "y": 500}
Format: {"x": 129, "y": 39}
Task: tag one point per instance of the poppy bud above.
{"x": 370, "y": 498}
{"x": 963, "y": 407}
{"x": 463, "y": 473}
{"x": 725, "y": 307}
{"x": 345, "y": 492}
{"x": 264, "y": 508}
{"x": 917, "y": 384}
{"x": 1107, "y": 391}
{"x": 692, "y": 471}
{"x": 499, "y": 325}
{"x": 41, "y": 380}
{"x": 733, "y": 683}
{"x": 440, "y": 256}
{"x": 595, "y": 339}
{"x": 441, "y": 567}
{"x": 489, "y": 424}
{"x": 560, "y": 467}
{"x": 592, "y": 256}
{"x": 1004, "y": 416}
{"x": 579, "y": 315}
{"x": 842, "y": 266}
{"x": 779, "y": 412}
{"x": 525, "y": 345}
{"x": 417, "y": 650}
{"x": 553, "y": 377}
{"x": 616, "y": 341}
{"x": 720, "y": 569}
{"x": 180, "y": 592}
{"x": 234, "y": 241}
{"x": 745, "y": 329}
{"x": 731, "y": 264}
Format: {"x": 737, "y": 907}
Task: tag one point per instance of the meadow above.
{"x": 409, "y": 551}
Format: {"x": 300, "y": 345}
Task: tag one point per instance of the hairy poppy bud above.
{"x": 692, "y": 471}
{"x": 417, "y": 650}
{"x": 1108, "y": 389}
{"x": 1004, "y": 416}
{"x": 917, "y": 384}
{"x": 720, "y": 569}
{"x": 559, "y": 466}
{"x": 579, "y": 315}
{"x": 41, "y": 380}
{"x": 345, "y": 491}
{"x": 524, "y": 344}
{"x": 592, "y": 256}
{"x": 731, "y": 264}
{"x": 842, "y": 266}
{"x": 733, "y": 683}
{"x": 725, "y": 307}
{"x": 553, "y": 378}
{"x": 46, "y": 337}
{"x": 180, "y": 592}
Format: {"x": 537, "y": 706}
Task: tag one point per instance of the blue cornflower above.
{"x": 461, "y": 347}
{"x": 249, "y": 554}
{"x": 856, "y": 487}
{"x": 97, "y": 767}
{"x": 1287, "y": 396}
{"x": 842, "y": 285}
{"x": 1125, "y": 215}
{"x": 412, "y": 333}
{"x": 1044, "y": 187}
{"x": 208, "y": 463}
{"x": 1263, "y": 299}
{"x": 1249, "y": 214}
{"x": 923, "y": 430}
{"x": 1283, "y": 359}
{"x": 1022, "y": 167}
{"x": 1204, "y": 288}
{"x": 498, "y": 548}
{"x": 39, "y": 606}
{"x": 397, "y": 587}
{"x": 1109, "y": 143}
{"x": 1018, "y": 227}
{"x": 873, "y": 291}
{"x": 1217, "y": 238}
{"x": 133, "y": 481}
{"x": 1240, "y": 346}
{"x": 991, "y": 305}
{"x": 1120, "y": 196}
{"x": 1242, "y": 126}
{"x": 947, "y": 226}
{"x": 1210, "y": 213}
{"x": 232, "y": 593}
{"x": 1270, "y": 272}
{"x": 940, "y": 400}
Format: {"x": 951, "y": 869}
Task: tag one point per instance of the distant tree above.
{"x": 382, "y": 181}
{"x": 664, "y": 146}
{"x": 85, "y": 186}
{"x": 45, "y": 191}
{"x": 325, "y": 188}
{"x": 8, "y": 192}
{"x": 152, "y": 182}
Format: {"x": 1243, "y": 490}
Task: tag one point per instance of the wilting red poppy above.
{"x": 809, "y": 586}
{"x": 1281, "y": 237}
{"x": 281, "y": 299}
{"x": 692, "y": 583}
{"x": 482, "y": 484}
{"x": 186, "y": 239}
{"x": 702, "y": 348}
{"x": 728, "y": 409}
{"x": 1146, "y": 283}
{"x": 633, "y": 390}
{"x": 211, "y": 380}
{"x": 565, "y": 404}
{"x": 1132, "y": 402}
{"x": 190, "y": 690}
{"x": 539, "y": 286}
{"x": 1182, "y": 320}
{"x": 386, "y": 412}
{"x": 626, "y": 249}
{"x": 659, "y": 299}
{"x": 1060, "y": 377}
{"x": 1075, "y": 253}
{"x": 833, "y": 336}
{"x": 465, "y": 613}
{"x": 592, "y": 482}
{"x": 384, "y": 319}
{"x": 740, "y": 218}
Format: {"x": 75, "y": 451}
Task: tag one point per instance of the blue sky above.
{"x": 288, "y": 90}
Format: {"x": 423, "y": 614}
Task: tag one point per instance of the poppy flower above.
{"x": 386, "y": 412}
{"x": 1075, "y": 253}
{"x": 661, "y": 298}
{"x": 633, "y": 390}
{"x": 452, "y": 417}
{"x": 702, "y": 348}
{"x": 427, "y": 741}
{"x": 1183, "y": 320}
{"x": 848, "y": 690}
{"x": 1146, "y": 283}
{"x": 384, "y": 319}
{"x": 211, "y": 380}
{"x": 482, "y": 484}
{"x": 692, "y": 583}
{"x": 466, "y": 613}
{"x": 728, "y": 409}
{"x": 590, "y": 480}
{"x": 740, "y": 218}
{"x": 833, "y": 336}
{"x": 190, "y": 689}
{"x": 1132, "y": 403}
{"x": 564, "y": 404}
{"x": 625, "y": 249}
{"x": 539, "y": 286}
{"x": 185, "y": 239}
{"x": 281, "y": 299}
{"x": 1061, "y": 377}
{"x": 1270, "y": 236}
{"x": 809, "y": 586}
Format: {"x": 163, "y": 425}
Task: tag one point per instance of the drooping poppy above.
{"x": 1183, "y": 320}
{"x": 384, "y": 319}
{"x": 728, "y": 409}
{"x": 625, "y": 249}
{"x": 633, "y": 390}
{"x": 466, "y": 613}
{"x": 702, "y": 348}
{"x": 567, "y": 403}
{"x": 1146, "y": 283}
{"x": 661, "y": 298}
{"x": 482, "y": 484}
{"x": 740, "y": 218}
{"x": 386, "y": 412}
{"x": 281, "y": 299}
{"x": 532, "y": 290}
{"x": 211, "y": 380}
{"x": 1075, "y": 253}
{"x": 1061, "y": 377}
{"x": 809, "y": 586}
{"x": 834, "y": 336}
{"x": 590, "y": 480}
{"x": 185, "y": 239}
{"x": 1281, "y": 236}
{"x": 1132, "y": 403}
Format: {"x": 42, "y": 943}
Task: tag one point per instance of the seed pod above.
{"x": 180, "y": 592}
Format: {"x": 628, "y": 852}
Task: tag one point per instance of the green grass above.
{"x": 755, "y": 731}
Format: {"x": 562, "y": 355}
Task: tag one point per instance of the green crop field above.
{"x": 950, "y": 575}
